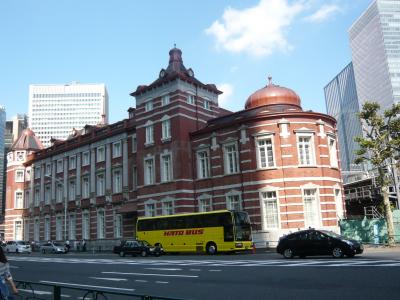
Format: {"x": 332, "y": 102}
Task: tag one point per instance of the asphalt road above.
{"x": 374, "y": 275}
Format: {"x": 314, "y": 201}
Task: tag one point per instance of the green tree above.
{"x": 380, "y": 147}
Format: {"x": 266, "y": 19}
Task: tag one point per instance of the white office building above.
{"x": 375, "y": 47}
{"x": 56, "y": 109}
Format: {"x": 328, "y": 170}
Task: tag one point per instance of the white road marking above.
{"x": 195, "y": 270}
{"x": 214, "y": 270}
{"x": 109, "y": 279}
{"x": 140, "y": 280}
{"x": 14, "y": 267}
{"x": 164, "y": 269}
{"x": 147, "y": 274}
{"x": 36, "y": 292}
{"x": 85, "y": 285}
{"x": 163, "y": 282}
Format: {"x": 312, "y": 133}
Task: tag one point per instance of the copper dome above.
{"x": 273, "y": 95}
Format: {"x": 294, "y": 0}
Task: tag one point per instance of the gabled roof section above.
{"x": 175, "y": 70}
{"x": 27, "y": 141}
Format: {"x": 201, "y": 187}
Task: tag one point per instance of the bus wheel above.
{"x": 211, "y": 248}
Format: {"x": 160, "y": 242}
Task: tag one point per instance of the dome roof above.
{"x": 273, "y": 95}
{"x": 27, "y": 141}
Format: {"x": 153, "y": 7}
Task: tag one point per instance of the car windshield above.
{"x": 331, "y": 234}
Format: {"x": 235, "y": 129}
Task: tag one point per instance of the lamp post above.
{"x": 65, "y": 203}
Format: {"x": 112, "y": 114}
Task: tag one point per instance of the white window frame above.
{"x": 101, "y": 223}
{"x": 117, "y": 181}
{"x": 59, "y": 192}
{"x": 167, "y": 206}
{"x": 206, "y": 104}
{"x": 166, "y": 167}
{"x": 117, "y": 149}
{"x": 191, "y": 99}
{"x": 203, "y": 163}
{"x": 149, "y": 178}
{"x": 72, "y": 226}
{"x": 301, "y": 150}
{"x": 134, "y": 143}
{"x": 316, "y": 209}
{"x": 266, "y": 148}
{"x": 100, "y": 184}
{"x": 72, "y": 190}
{"x": 165, "y": 100}
{"x": 150, "y": 208}
{"x": 149, "y": 131}
{"x": 228, "y": 200}
{"x": 86, "y": 158}
{"x": 165, "y": 128}
{"x": 18, "y": 229}
{"x": 86, "y": 224}
{"x": 270, "y": 196}
{"x": 36, "y": 197}
{"x": 72, "y": 162}
{"x": 47, "y": 228}
{"x": 19, "y": 199}
{"x": 118, "y": 225}
{"x": 205, "y": 203}
{"x": 19, "y": 175}
{"x": 85, "y": 187}
{"x": 47, "y": 194}
{"x": 231, "y": 157}
{"x": 148, "y": 106}
{"x": 37, "y": 171}
{"x": 100, "y": 153}
{"x": 48, "y": 169}
{"x": 333, "y": 155}
{"x": 36, "y": 229}
{"x": 60, "y": 165}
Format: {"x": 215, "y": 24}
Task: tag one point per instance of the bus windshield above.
{"x": 242, "y": 226}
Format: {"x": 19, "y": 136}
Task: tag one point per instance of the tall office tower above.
{"x": 14, "y": 128}
{"x": 375, "y": 47}
{"x": 55, "y": 110}
{"x": 2, "y": 161}
{"x": 342, "y": 104}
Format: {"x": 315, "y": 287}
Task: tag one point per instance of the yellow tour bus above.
{"x": 210, "y": 232}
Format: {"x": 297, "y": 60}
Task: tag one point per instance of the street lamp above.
{"x": 65, "y": 202}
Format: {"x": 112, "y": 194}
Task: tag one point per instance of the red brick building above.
{"x": 180, "y": 152}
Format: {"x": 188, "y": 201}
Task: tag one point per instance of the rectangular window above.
{"x": 149, "y": 134}
{"x": 59, "y": 227}
{"x": 59, "y": 165}
{"x": 149, "y": 105}
{"x": 149, "y": 171}
{"x": 134, "y": 143}
{"x": 37, "y": 197}
{"x": 306, "y": 154}
{"x": 117, "y": 181}
{"x": 265, "y": 153}
{"x": 18, "y": 230}
{"x": 231, "y": 159}
{"x": 47, "y": 194}
{"x": 118, "y": 226}
{"x": 85, "y": 187}
{"x": 150, "y": 209}
{"x": 86, "y": 158}
{"x": 165, "y": 100}
{"x": 59, "y": 193}
{"x": 37, "y": 172}
{"x": 203, "y": 164}
{"x": 204, "y": 204}
{"x": 233, "y": 202}
{"x": 207, "y": 104}
{"x": 100, "y": 154}
{"x": 167, "y": 208}
{"x": 117, "y": 149}
{"x": 72, "y": 227}
{"x": 86, "y": 225}
{"x": 271, "y": 211}
{"x": 311, "y": 210}
{"x": 101, "y": 225}
{"x": 19, "y": 175}
{"x": 190, "y": 99}
{"x": 71, "y": 190}
{"x": 27, "y": 199}
{"x": 333, "y": 153}
{"x": 19, "y": 200}
{"x": 166, "y": 129}
{"x": 48, "y": 170}
{"x": 36, "y": 230}
{"x": 72, "y": 162}
{"x": 47, "y": 230}
{"x": 166, "y": 168}
{"x": 100, "y": 185}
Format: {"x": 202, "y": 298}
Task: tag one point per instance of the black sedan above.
{"x": 137, "y": 247}
{"x": 317, "y": 242}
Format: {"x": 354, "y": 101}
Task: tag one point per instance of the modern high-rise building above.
{"x": 56, "y": 109}
{"x": 342, "y": 104}
{"x": 2, "y": 161}
{"x": 14, "y": 128}
{"x": 375, "y": 47}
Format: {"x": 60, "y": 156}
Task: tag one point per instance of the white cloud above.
{"x": 322, "y": 14}
{"x": 227, "y": 90}
{"x": 258, "y": 30}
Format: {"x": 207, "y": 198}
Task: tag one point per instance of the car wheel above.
{"x": 337, "y": 252}
{"x": 143, "y": 253}
{"x": 288, "y": 253}
{"x": 211, "y": 248}
{"x": 122, "y": 253}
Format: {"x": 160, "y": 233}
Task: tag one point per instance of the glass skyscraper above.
{"x": 375, "y": 47}
{"x": 342, "y": 104}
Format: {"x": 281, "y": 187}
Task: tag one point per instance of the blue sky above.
{"x": 236, "y": 44}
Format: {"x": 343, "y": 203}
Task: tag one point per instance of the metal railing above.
{"x": 28, "y": 287}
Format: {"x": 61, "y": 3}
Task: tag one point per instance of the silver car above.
{"x": 18, "y": 247}
{"x": 52, "y": 247}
